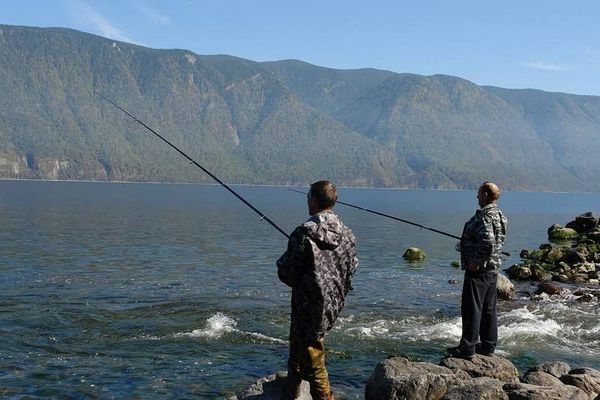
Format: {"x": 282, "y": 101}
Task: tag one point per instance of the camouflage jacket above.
{"x": 318, "y": 265}
{"x": 483, "y": 237}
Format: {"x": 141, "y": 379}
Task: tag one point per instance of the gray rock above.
{"x": 586, "y": 379}
{"x": 541, "y": 378}
{"x": 492, "y": 367}
{"x": 524, "y": 391}
{"x": 477, "y": 389}
{"x": 272, "y": 388}
{"x": 505, "y": 288}
{"x": 398, "y": 378}
{"x": 556, "y": 369}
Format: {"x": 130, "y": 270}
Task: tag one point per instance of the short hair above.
{"x": 325, "y": 194}
{"x": 491, "y": 190}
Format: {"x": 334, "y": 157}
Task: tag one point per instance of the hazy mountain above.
{"x": 285, "y": 122}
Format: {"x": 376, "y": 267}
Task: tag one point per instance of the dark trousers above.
{"x": 478, "y": 311}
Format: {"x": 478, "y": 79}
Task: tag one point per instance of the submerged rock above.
{"x": 414, "y": 254}
{"x": 548, "y": 288}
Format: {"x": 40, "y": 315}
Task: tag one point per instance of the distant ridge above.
{"x": 282, "y": 122}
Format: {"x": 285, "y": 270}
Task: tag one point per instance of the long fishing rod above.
{"x": 396, "y": 218}
{"x": 262, "y": 216}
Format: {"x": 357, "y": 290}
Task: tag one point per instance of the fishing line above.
{"x": 395, "y": 218}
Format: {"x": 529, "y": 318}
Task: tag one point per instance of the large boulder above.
{"x": 483, "y": 366}
{"x": 505, "y": 288}
{"x": 398, "y": 378}
{"x": 524, "y": 391}
{"x": 586, "y": 379}
{"x": 584, "y": 222}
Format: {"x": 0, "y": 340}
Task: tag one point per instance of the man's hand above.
{"x": 472, "y": 267}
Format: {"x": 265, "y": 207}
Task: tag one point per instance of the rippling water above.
{"x": 170, "y": 291}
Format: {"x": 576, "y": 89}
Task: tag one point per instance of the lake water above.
{"x": 170, "y": 291}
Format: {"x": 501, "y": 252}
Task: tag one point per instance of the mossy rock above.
{"x": 455, "y": 264}
{"x": 554, "y": 256}
{"x": 519, "y": 272}
{"x": 562, "y": 234}
{"x": 537, "y": 255}
{"x": 414, "y": 254}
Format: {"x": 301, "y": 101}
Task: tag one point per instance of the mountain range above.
{"x": 284, "y": 122}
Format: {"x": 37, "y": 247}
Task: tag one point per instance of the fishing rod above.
{"x": 192, "y": 161}
{"x": 396, "y": 218}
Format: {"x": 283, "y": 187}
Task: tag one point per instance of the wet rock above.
{"x": 586, "y": 379}
{"x": 478, "y": 388}
{"x": 505, "y": 288}
{"x": 519, "y": 272}
{"x": 548, "y": 288}
{"x": 481, "y": 366}
{"x": 524, "y": 391}
{"x": 455, "y": 264}
{"x": 453, "y": 281}
{"x": 272, "y": 387}
{"x": 414, "y": 254}
{"x": 594, "y": 282}
{"x": 587, "y": 298}
{"x": 562, "y": 278}
{"x": 399, "y": 378}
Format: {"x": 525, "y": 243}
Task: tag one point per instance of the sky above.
{"x": 542, "y": 44}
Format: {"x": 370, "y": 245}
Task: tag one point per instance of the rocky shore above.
{"x": 482, "y": 378}
{"x": 572, "y": 254}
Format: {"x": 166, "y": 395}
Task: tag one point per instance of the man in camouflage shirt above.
{"x": 318, "y": 265}
{"x": 481, "y": 256}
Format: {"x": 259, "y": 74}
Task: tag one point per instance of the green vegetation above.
{"x": 284, "y": 122}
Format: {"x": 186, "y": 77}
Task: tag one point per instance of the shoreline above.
{"x": 278, "y": 186}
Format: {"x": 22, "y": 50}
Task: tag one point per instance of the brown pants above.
{"x": 307, "y": 362}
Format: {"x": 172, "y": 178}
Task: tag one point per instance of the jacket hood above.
{"x": 325, "y": 229}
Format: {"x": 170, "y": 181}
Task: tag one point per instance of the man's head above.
{"x": 488, "y": 193}
{"x": 321, "y": 196}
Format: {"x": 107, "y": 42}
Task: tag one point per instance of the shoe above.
{"x": 479, "y": 349}
{"x": 457, "y": 352}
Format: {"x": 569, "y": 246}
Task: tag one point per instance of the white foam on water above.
{"x": 375, "y": 329}
{"x": 216, "y": 326}
{"x": 220, "y": 324}
{"x": 521, "y": 323}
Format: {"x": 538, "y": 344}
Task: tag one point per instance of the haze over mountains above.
{"x": 285, "y": 122}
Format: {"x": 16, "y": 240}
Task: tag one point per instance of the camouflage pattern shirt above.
{"x": 318, "y": 265}
{"x": 482, "y": 239}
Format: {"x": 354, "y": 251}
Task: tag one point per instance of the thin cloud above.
{"x": 545, "y": 66}
{"x": 153, "y": 14}
{"x": 90, "y": 19}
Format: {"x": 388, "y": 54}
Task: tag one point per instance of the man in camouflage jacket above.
{"x": 318, "y": 265}
{"x": 481, "y": 256}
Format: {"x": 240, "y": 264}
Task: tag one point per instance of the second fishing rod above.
{"x": 396, "y": 219}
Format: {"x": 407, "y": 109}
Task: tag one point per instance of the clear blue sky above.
{"x": 543, "y": 44}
